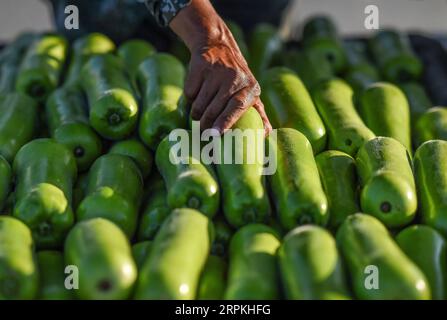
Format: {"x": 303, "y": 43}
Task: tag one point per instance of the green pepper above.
{"x": 377, "y": 267}
{"x": 320, "y": 37}
{"x": 41, "y": 68}
{"x": 430, "y": 169}
{"x": 114, "y": 192}
{"x": 338, "y": 175}
{"x": 386, "y": 178}
{"x": 18, "y": 269}
{"x": 384, "y": 108}
{"x": 136, "y": 150}
{"x": 17, "y": 123}
{"x": 431, "y": 125}
{"x": 189, "y": 183}
{"x": 140, "y": 252}
{"x": 244, "y": 196}
{"x": 45, "y": 172}
{"x": 296, "y": 187}
{"x": 8, "y": 73}
{"x": 5, "y": 181}
{"x": 68, "y": 124}
{"x": 213, "y": 279}
{"x": 154, "y": 211}
{"x": 289, "y": 105}
{"x": 160, "y": 82}
{"x": 79, "y": 189}
{"x": 264, "y": 44}
{"x": 418, "y": 99}
{"x": 113, "y": 108}
{"x": 428, "y": 250}
{"x": 393, "y": 54}
{"x": 83, "y": 49}
{"x": 177, "y": 257}
{"x": 222, "y": 239}
{"x": 52, "y": 276}
{"x": 252, "y": 272}
{"x": 103, "y": 256}
{"x": 310, "y": 265}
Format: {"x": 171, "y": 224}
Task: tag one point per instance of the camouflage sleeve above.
{"x": 165, "y": 10}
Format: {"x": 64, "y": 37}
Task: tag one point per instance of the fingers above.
{"x": 259, "y": 106}
{"x": 203, "y": 99}
{"x": 193, "y": 81}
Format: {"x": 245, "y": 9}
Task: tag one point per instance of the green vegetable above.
{"x": 68, "y": 124}
{"x": 52, "y": 276}
{"x": 41, "y": 67}
{"x": 289, "y": 105}
{"x": 385, "y": 110}
{"x": 79, "y": 189}
{"x": 45, "y": 172}
{"x": 222, "y": 239}
{"x": 213, "y": 280}
{"x": 378, "y": 269}
{"x": 103, "y": 256}
{"x": 296, "y": 187}
{"x": 18, "y": 269}
{"x": 418, "y": 99}
{"x": 160, "y": 81}
{"x": 17, "y": 123}
{"x": 136, "y": 150}
{"x": 338, "y": 175}
{"x": 430, "y": 169}
{"x": 178, "y": 255}
{"x": 140, "y": 252}
{"x": 5, "y": 181}
{"x": 310, "y": 265}
{"x": 113, "y": 109}
{"x": 264, "y": 43}
{"x": 244, "y": 196}
{"x": 252, "y": 273}
{"x": 190, "y": 183}
{"x": 427, "y": 249}
{"x": 386, "y": 178}
{"x": 431, "y": 125}
{"x": 394, "y": 56}
{"x": 114, "y": 192}
{"x": 347, "y": 132}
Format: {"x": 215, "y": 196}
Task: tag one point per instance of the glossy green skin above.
{"x": 431, "y": 125}
{"x": 137, "y": 151}
{"x": 114, "y": 192}
{"x": 113, "y": 107}
{"x": 17, "y": 123}
{"x": 45, "y": 172}
{"x": 178, "y": 255}
{"x": 213, "y": 279}
{"x": 244, "y": 196}
{"x": 154, "y": 211}
{"x": 430, "y": 170}
{"x": 252, "y": 272}
{"x": 52, "y": 276}
{"x": 364, "y": 241}
{"x": 16, "y": 49}
{"x": 310, "y": 68}
{"x": 296, "y": 187}
{"x": 339, "y": 178}
{"x": 8, "y": 73}
{"x": 222, "y": 239}
{"x": 42, "y": 66}
{"x": 79, "y": 189}
{"x": 310, "y": 265}
{"x": 5, "y": 181}
{"x": 134, "y": 52}
{"x": 320, "y": 37}
{"x": 189, "y": 185}
{"x": 18, "y": 270}
{"x": 103, "y": 256}
{"x": 83, "y": 49}
{"x": 238, "y": 35}
{"x": 68, "y": 124}
{"x": 418, "y": 99}
{"x": 288, "y": 105}
{"x": 346, "y": 130}
{"x": 160, "y": 82}
{"x": 263, "y": 44}
{"x": 140, "y": 252}
{"x": 387, "y": 182}
{"x": 394, "y": 56}
{"x": 385, "y": 110}
{"x": 428, "y": 250}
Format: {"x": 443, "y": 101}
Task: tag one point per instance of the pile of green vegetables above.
{"x": 86, "y": 183}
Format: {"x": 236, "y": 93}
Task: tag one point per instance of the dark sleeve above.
{"x": 165, "y": 10}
